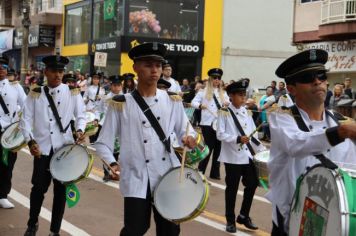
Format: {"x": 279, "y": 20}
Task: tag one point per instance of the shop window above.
{"x": 108, "y": 18}
{"x": 171, "y": 19}
{"x": 77, "y": 24}
{"x": 80, "y": 63}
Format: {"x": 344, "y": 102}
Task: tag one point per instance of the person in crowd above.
{"x": 166, "y": 74}
{"x": 12, "y": 95}
{"x": 70, "y": 80}
{"x": 233, "y": 130}
{"x": 292, "y": 146}
{"x": 266, "y": 102}
{"x": 281, "y": 90}
{"x": 106, "y": 84}
{"x": 348, "y": 88}
{"x": 82, "y": 83}
{"x": 129, "y": 83}
{"x": 274, "y": 87}
{"x": 92, "y": 98}
{"x": 338, "y": 95}
{"x": 209, "y": 101}
{"x": 185, "y": 86}
{"x": 329, "y": 93}
{"x": 143, "y": 164}
{"x": 11, "y": 75}
{"x": 253, "y": 108}
{"x": 45, "y": 121}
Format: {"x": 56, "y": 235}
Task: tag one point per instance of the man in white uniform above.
{"x": 292, "y": 150}
{"x": 12, "y": 95}
{"x": 144, "y": 157}
{"x": 166, "y": 75}
{"x": 45, "y": 125}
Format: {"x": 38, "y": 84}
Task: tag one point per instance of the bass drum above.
{"x": 180, "y": 201}
{"x": 324, "y": 203}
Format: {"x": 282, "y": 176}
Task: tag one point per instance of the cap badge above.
{"x": 155, "y": 46}
{"x": 312, "y": 55}
{"x": 243, "y": 83}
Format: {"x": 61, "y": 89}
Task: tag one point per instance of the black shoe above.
{"x": 215, "y": 177}
{"x": 231, "y": 228}
{"x": 246, "y": 222}
{"x": 54, "y": 234}
{"x": 106, "y": 178}
{"x": 31, "y": 230}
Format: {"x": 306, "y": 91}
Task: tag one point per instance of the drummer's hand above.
{"x": 96, "y": 122}
{"x": 35, "y": 150}
{"x": 347, "y": 131}
{"x": 189, "y": 141}
{"x": 202, "y": 106}
{"x": 244, "y": 139}
{"x": 80, "y": 137}
{"x": 116, "y": 174}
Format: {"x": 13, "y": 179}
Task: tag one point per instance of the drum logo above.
{"x": 189, "y": 176}
{"x": 320, "y": 186}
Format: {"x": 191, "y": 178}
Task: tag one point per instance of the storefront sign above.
{"x": 100, "y": 59}
{"x": 174, "y": 47}
{"x": 38, "y": 36}
{"x": 342, "y": 54}
{"x": 111, "y": 46}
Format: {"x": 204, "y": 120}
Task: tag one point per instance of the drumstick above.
{"x": 110, "y": 168}
{"x": 184, "y": 153}
{"x": 253, "y": 132}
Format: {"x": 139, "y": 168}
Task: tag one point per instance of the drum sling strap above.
{"x": 302, "y": 126}
{"x": 97, "y": 93}
{"x": 54, "y": 110}
{"x": 216, "y": 102}
{"x": 152, "y": 119}
{"x": 3, "y": 105}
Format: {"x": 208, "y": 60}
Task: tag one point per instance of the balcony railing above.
{"x": 47, "y": 6}
{"x": 334, "y": 11}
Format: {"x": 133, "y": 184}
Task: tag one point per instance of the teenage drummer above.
{"x": 144, "y": 156}
{"x": 302, "y": 131}
{"x": 237, "y": 149}
{"x": 45, "y": 124}
{"x": 12, "y": 95}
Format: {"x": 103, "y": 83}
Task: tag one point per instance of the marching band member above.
{"x": 292, "y": 149}
{"x": 166, "y": 75}
{"x": 210, "y": 100}
{"x": 236, "y": 156}
{"x": 92, "y": 97}
{"x": 129, "y": 83}
{"x": 144, "y": 157}
{"x": 12, "y": 95}
{"x": 45, "y": 126}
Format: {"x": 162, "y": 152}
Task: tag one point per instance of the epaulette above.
{"x": 14, "y": 82}
{"x": 74, "y": 90}
{"x": 117, "y": 102}
{"x": 175, "y": 97}
{"x": 224, "y": 112}
{"x": 35, "y": 92}
{"x": 276, "y": 109}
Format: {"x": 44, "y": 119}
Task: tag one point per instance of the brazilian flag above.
{"x": 109, "y": 9}
{"x": 72, "y": 195}
{"x": 5, "y": 156}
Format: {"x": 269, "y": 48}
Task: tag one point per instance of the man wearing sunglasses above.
{"x": 292, "y": 146}
{"x": 11, "y": 95}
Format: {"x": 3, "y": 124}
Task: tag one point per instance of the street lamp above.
{"x": 26, "y": 22}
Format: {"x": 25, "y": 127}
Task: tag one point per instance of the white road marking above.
{"x": 218, "y": 226}
{"x": 46, "y": 214}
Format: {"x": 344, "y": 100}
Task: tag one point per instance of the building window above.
{"x": 77, "y": 24}
{"x": 165, "y": 18}
{"x": 305, "y": 1}
{"x": 108, "y": 18}
{"x": 80, "y": 63}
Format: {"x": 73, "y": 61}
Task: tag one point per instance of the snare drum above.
{"x": 71, "y": 163}
{"x": 324, "y": 203}
{"x": 91, "y": 128}
{"x": 12, "y": 138}
{"x": 260, "y": 160}
{"x": 180, "y": 201}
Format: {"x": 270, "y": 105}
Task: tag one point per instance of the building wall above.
{"x": 256, "y": 39}
{"x": 307, "y": 16}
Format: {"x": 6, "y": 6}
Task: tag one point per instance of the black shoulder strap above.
{"x": 152, "y": 119}
{"x": 3, "y": 105}
{"x": 97, "y": 93}
{"x": 302, "y": 126}
{"x": 54, "y": 109}
{"x": 242, "y": 132}
{"x": 216, "y": 102}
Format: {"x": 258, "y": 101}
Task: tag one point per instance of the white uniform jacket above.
{"x": 91, "y": 99}
{"x": 143, "y": 158}
{"x": 13, "y": 96}
{"x": 292, "y": 152}
{"x": 210, "y": 114}
{"x": 227, "y": 132}
{"x": 175, "y": 87}
{"x": 38, "y": 122}
{"x": 103, "y": 107}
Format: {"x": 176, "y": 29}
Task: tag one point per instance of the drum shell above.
{"x": 260, "y": 160}
{"x": 14, "y": 147}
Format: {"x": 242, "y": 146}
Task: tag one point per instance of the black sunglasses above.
{"x": 216, "y": 77}
{"x": 310, "y": 77}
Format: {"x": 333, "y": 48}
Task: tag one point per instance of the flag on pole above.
{"x": 5, "y": 156}
{"x": 72, "y": 195}
{"x": 109, "y": 9}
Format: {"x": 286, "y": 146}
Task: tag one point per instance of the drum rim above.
{"x": 201, "y": 202}
{"x": 78, "y": 178}
{"x": 341, "y": 194}
{"x": 22, "y": 144}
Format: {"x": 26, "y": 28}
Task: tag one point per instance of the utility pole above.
{"x": 26, "y": 22}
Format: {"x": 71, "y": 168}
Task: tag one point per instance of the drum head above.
{"x": 321, "y": 200}
{"x": 262, "y": 156}
{"x": 90, "y": 116}
{"x": 12, "y": 137}
{"x": 345, "y": 102}
{"x": 176, "y": 200}
{"x": 69, "y": 163}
